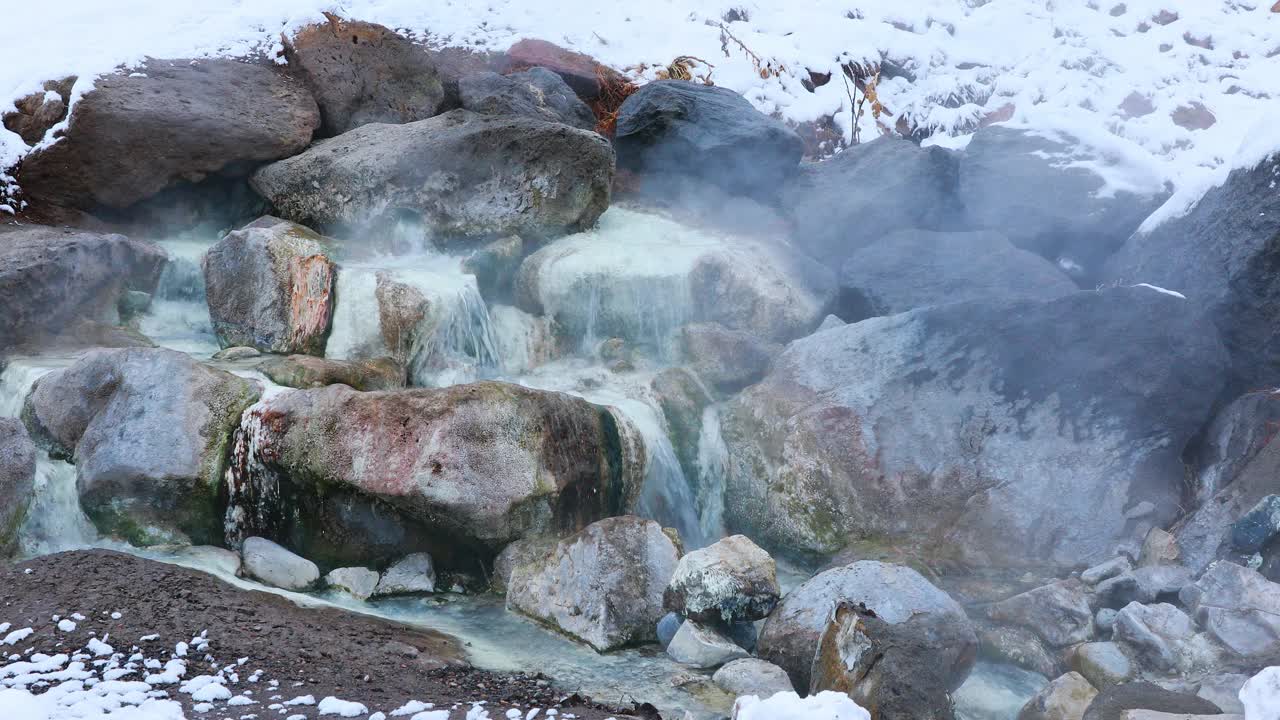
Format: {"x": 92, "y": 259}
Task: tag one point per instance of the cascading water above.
{"x": 713, "y": 465}
{"x": 179, "y": 316}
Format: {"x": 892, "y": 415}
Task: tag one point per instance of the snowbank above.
{"x": 1134, "y": 80}
{"x": 825, "y": 705}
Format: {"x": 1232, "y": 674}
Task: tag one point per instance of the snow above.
{"x": 66, "y": 625}
{"x": 1261, "y": 695}
{"x": 1162, "y": 291}
{"x": 342, "y": 708}
{"x": 825, "y": 705}
{"x": 16, "y": 636}
{"x": 1114, "y": 81}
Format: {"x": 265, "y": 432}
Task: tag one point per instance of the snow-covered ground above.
{"x": 1133, "y": 79}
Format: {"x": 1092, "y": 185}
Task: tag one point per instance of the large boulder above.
{"x": 362, "y": 73}
{"x": 852, "y": 200}
{"x": 1059, "y": 613}
{"x": 1221, "y": 255}
{"x": 1041, "y": 194}
{"x": 465, "y": 174}
{"x": 1162, "y": 637}
{"x": 148, "y": 430}
{"x": 50, "y": 278}
{"x": 17, "y": 481}
{"x": 277, "y": 566}
{"x": 589, "y": 78}
{"x": 729, "y": 581}
{"x": 602, "y": 585}
{"x": 1206, "y": 534}
{"x": 171, "y": 121}
{"x": 640, "y": 277}
{"x": 536, "y": 93}
{"x": 910, "y": 269}
{"x": 1111, "y": 703}
{"x": 353, "y": 477}
{"x": 307, "y": 371}
{"x": 1239, "y": 608}
{"x": 1008, "y": 432}
{"x": 708, "y": 132}
{"x": 270, "y": 286}
{"x": 897, "y": 595}
{"x": 1235, "y": 437}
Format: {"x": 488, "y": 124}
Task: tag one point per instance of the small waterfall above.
{"x": 713, "y": 464}
{"x": 524, "y": 341}
{"x": 179, "y": 316}
{"x": 16, "y": 381}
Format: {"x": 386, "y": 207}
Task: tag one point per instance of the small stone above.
{"x": 409, "y": 575}
{"x": 1102, "y": 663}
{"x": 1105, "y": 620}
{"x": 750, "y": 676}
{"x": 667, "y": 627}
{"x": 1256, "y": 528}
{"x": 1160, "y": 548}
{"x": 277, "y": 566}
{"x": 1065, "y": 698}
{"x": 1118, "y": 565}
{"x": 1059, "y": 613}
{"x": 702, "y": 646}
{"x": 358, "y": 582}
{"x": 239, "y": 352}
{"x": 1224, "y": 691}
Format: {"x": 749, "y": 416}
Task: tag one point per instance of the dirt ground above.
{"x": 331, "y": 652}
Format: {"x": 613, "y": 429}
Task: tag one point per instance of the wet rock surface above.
{"x": 17, "y": 480}
{"x": 308, "y": 372}
{"x": 536, "y": 93}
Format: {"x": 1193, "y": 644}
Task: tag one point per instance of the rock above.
{"x": 790, "y": 706}
{"x": 1066, "y": 698}
{"x": 270, "y": 286}
{"x": 409, "y": 575}
{"x": 39, "y": 111}
{"x": 1160, "y": 548}
{"x": 707, "y": 132}
{"x": 703, "y": 646}
{"x": 727, "y": 359}
{"x": 868, "y": 191}
{"x": 307, "y": 371}
{"x": 1261, "y": 694}
{"x": 1257, "y": 527}
{"x": 910, "y": 269}
{"x": 729, "y": 581}
{"x": 888, "y": 666}
{"x": 1158, "y": 581}
{"x": 49, "y": 278}
{"x": 603, "y": 585}
{"x": 148, "y": 430}
{"x": 1058, "y": 613}
{"x": 1118, "y": 565}
{"x": 667, "y": 628}
{"x": 945, "y": 427}
{"x": 1103, "y": 664}
{"x": 1204, "y": 535}
{"x": 1237, "y": 607}
{"x": 274, "y": 565}
{"x": 581, "y": 72}
{"x": 686, "y": 406}
{"x": 1111, "y": 702}
{"x": 536, "y": 93}
{"x": 830, "y": 321}
{"x": 601, "y": 284}
{"x": 171, "y": 121}
{"x": 1236, "y": 436}
{"x": 1105, "y": 619}
{"x": 1156, "y": 715}
{"x": 1163, "y": 637}
{"x": 495, "y": 264}
{"x": 458, "y": 472}
{"x": 17, "y": 481}
{"x": 1006, "y": 175}
{"x": 897, "y": 594}
{"x": 749, "y": 676}
{"x": 1219, "y": 255}
{"x": 465, "y": 175}
{"x": 996, "y": 692}
{"x": 1017, "y": 646}
{"x": 234, "y": 354}
{"x": 357, "y": 582}
{"x": 515, "y": 554}
{"x": 362, "y": 73}
{"x": 1224, "y": 691}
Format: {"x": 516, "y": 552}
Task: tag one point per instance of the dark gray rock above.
{"x": 667, "y": 628}
{"x": 850, "y": 201}
{"x": 50, "y": 278}
{"x": 1234, "y": 438}
{"x": 464, "y": 174}
{"x": 728, "y": 360}
{"x": 1204, "y": 535}
{"x": 1007, "y": 184}
{"x": 1258, "y": 526}
{"x": 148, "y": 430}
{"x": 1058, "y": 613}
{"x": 1222, "y": 255}
{"x": 1118, "y": 565}
{"x": 17, "y": 481}
{"x": 949, "y": 427}
{"x": 535, "y": 93}
{"x": 364, "y": 73}
{"x": 707, "y": 132}
{"x": 170, "y": 121}
{"x": 910, "y": 269}
{"x": 410, "y": 575}
{"x": 1111, "y": 702}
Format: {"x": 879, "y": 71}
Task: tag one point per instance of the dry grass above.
{"x": 614, "y": 89}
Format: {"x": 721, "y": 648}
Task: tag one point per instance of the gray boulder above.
{"x": 269, "y": 286}
{"x": 362, "y": 73}
{"x": 749, "y": 676}
{"x": 1058, "y": 613}
{"x": 727, "y": 359}
{"x": 1065, "y": 698}
{"x": 1103, "y": 664}
{"x": 1224, "y": 691}
{"x": 536, "y": 93}
{"x": 148, "y": 430}
{"x": 1005, "y": 431}
{"x": 703, "y": 646}
{"x": 409, "y": 575}
{"x": 464, "y": 174}
{"x": 1257, "y": 527}
{"x": 1163, "y": 638}
{"x": 357, "y": 582}
{"x": 50, "y": 278}
{"x": 1220, "y": 256}
{"x": 1235, "y": 437}
{"x": 909, "y": 269}
{"x": 1118, "y": 565}
{"x": 308, "y": 371}
{"x": 17, "y": 481}
{"x": 1239, "y": 608}
{"x": 1111, "y": 703}
{"x": 850, "y": 201}
{"x": 898, "y": 595}
{"x": 729, "y": 581}
{"x": 170, "y": 121}
{"x": 708, "y": 132}
{"x": 1018, "y": 183}
{"x": 602, "y": 585}
{"x": 274, "y": 565}
{"x": 1205, "y": 534}
{"x": 459, "y": 472}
